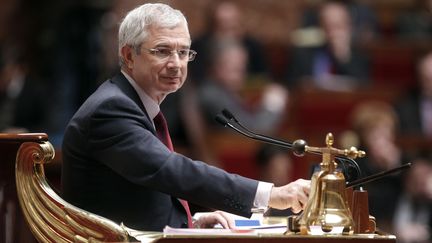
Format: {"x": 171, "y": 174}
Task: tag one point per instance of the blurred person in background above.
{"x": 332, "y": 62}
{"x": 375, "y": 124}
{"x": 187, "y": 124}
{"x": 78, "y": 60}
{"x": 415, "y": 109}
{"x": 227, "y": 79}
{"x": 225, "y": 23}
{"x": 274, "y": 164}
{"x": 415, "y": 23}
{"x": 413, "y": 215}
{"x": 23, "y": 98}
{"x": 363, "y": 18}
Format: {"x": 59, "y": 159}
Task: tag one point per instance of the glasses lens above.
{"x": 163, "y": 52}
{"x": 183, "y": 53}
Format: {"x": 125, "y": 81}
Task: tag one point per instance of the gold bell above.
{"x": 327, "y": 211}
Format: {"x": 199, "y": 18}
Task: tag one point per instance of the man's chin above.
{"x": 172, "y": 88}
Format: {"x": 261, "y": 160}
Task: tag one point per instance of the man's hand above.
{"x": 209, "y": 220}
{"x": 293, "y": 195}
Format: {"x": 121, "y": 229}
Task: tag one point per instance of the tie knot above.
{"x": 159, "y": 118}
{"x": 160, "y": 122}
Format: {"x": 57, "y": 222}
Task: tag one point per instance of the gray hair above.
{"x": 134, "y": 27}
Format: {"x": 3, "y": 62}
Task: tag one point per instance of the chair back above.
{"x": 50, "y": 218}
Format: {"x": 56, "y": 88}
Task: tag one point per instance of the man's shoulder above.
{"x": 107, "y": 94}
{"x": 114, "y": 87}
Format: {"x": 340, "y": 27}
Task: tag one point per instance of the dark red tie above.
{"x": 163, "y": 135}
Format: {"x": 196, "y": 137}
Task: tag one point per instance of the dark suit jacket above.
{"x": 302, "y": 61}
{"x": 409, "y": 114}
{"x": 115, "y": 166}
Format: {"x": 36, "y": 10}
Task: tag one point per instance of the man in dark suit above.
{"x": 118, "y": 161}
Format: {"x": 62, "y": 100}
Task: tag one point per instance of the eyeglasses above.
{"x": 164, "y": 53}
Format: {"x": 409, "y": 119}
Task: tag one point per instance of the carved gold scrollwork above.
{"x": 51, "y": 219}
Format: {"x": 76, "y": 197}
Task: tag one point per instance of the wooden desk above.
{"x": 275, "y": 239}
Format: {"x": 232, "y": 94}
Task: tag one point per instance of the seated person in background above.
{"x": 333, "y": 64}
{"x": 413, "y": 216}
{"x": 415, "y": 110}
{"x": 275, "y": 165}
{"x": 223, "y": 89}
{"x": 118, "y": 159}
{"x": 187, "y": 126}
{"x": 364, "y": 22}
{"x": 225, "y": 23}
{"x": 375, "y": 124}
{"x": 415, "y": 23}
{"x": 23, "y": 103}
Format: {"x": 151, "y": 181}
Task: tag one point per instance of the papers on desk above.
{"x": 268, "y": 229}
{"x": 254, "y": 226}
{"x": 214, "y": 231}
{"x": 244, "y": 226}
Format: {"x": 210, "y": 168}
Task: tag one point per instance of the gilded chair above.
{"x": 50, "y": 218}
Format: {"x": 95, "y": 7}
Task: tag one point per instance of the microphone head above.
{"x": 228, "y": 115}
{"x": 221, "y": 120}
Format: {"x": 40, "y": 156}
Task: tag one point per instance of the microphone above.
{"x": 298, "y": 146}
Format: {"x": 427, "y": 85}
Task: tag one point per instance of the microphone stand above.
{"x": 298, "y": 147}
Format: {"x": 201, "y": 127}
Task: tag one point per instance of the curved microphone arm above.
{"x": 299, "y": 147}
{"x": 225, "y": 122}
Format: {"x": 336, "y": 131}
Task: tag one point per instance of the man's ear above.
{"x": 127, "y": 55}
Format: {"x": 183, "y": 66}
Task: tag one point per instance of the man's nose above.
{"x": 174, "y": 60}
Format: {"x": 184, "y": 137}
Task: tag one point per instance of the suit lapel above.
{"x": 124, "y": 85}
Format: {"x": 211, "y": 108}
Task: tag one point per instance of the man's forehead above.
{"x": 179, "y": 33}
{"x": 180, "y": 27}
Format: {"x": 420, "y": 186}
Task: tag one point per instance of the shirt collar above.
{"x": 150, "y": 105}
